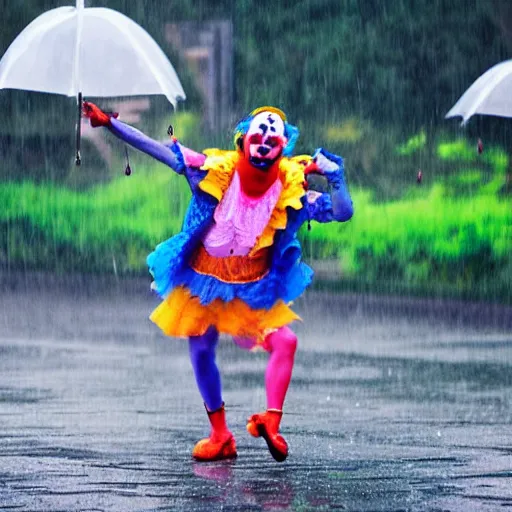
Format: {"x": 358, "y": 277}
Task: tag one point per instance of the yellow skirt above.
{"x": 182, "y": 315}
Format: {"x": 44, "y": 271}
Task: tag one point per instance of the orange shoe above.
{"x": 221, "y": 443}
{"x": 208, "y": 449}
{"x": 266, "y": 425}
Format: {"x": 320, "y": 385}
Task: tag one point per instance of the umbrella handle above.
{"x": 78, "y": 159}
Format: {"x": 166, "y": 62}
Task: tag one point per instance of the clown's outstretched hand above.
{"x": 96, "y": 115}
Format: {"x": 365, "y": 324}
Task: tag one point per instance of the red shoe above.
{"x": 266, "y": 425}
{"x": 208, "y": 449}
{"x": 221, "y": 443}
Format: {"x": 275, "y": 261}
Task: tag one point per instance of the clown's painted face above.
{"x": 264, "y": 141}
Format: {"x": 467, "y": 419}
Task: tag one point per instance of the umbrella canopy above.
{"x": 490, "y": 94}
{"x": 95, "y": 51}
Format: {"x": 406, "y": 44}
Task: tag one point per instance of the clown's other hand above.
{"x": 96, "y": 115}
{"x": 327, "y": 162}
{"x": 329, "y": 165}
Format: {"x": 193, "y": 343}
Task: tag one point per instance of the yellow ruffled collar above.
{"x": 220, "y": 166}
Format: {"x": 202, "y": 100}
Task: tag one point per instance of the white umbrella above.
{"x": 490, "y": 94}
{"x": 96, "y": 52}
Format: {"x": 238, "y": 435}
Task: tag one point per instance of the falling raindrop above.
{"x": 128, "y": 169}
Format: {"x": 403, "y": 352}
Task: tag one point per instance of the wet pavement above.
{"x": 395, "y": 404}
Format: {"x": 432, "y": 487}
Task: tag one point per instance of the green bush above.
{"x": 430, "y": 242}
{"x": 56, "y": 228}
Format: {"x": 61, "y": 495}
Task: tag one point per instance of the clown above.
{"x": 235, "y": 268}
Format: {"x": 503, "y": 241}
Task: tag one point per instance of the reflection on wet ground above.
{"x": 395, "y": 405}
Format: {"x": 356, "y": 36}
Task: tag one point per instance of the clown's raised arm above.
{"x": 173, "y": 154}
{"x": 335, "y": 205}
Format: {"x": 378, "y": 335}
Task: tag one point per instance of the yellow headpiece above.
{"x": 274, "y": 110}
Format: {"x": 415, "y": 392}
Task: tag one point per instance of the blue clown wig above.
{"x": 290, "y": 132}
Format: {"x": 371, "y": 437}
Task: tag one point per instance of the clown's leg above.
{"x": 282, "y": 345}
{"x": 221, "y": 443}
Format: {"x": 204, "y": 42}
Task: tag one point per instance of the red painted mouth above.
{"x": 261, "y": 163}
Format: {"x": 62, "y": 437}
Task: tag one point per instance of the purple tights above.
{"x": 281, "y": 345}
{"x": 202, "y": 356}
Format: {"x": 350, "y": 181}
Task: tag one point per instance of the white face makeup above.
{"x": 265, "y": 139}
{"x": 266, "y": 123}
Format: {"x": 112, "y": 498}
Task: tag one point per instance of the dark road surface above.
{"x": 394, "y": 405}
